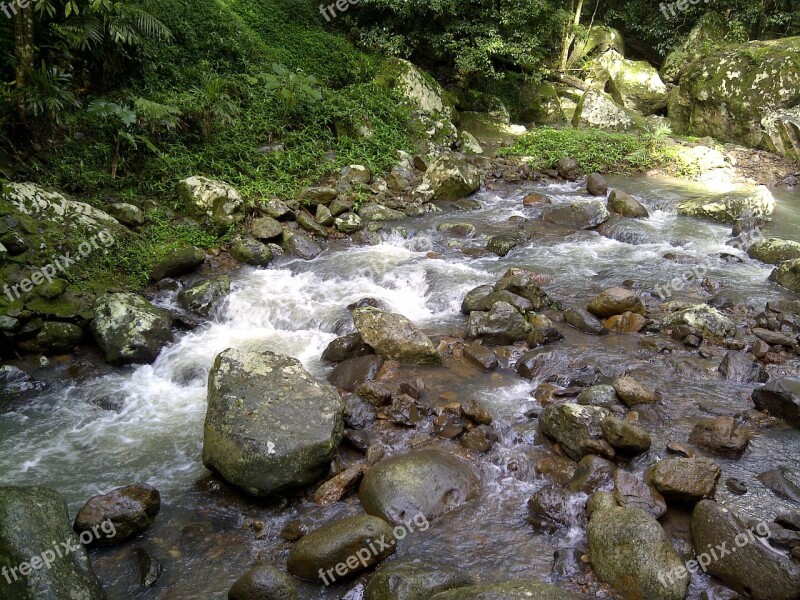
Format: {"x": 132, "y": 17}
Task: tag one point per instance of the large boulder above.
{"x": 710, "y": 30}
{"x": 615, "y": 301}
{"x": 341, "y": 548}
{"x": 629, "y": 550}
{"x": 720, "y": 434}
{"x": 598, "y": 40}
{"x": 577, "y": 428}
{"x": 249, "y": 251}
{"x": 525, "y": 284}
{"x": 413, "y": 580}
{"x": 782, "y": 131}
{"x": 733, "y": 554}
{"x": 781, "y": 398}
{"x": 549, "y": 103}
{"x": 129, "y": 329}
{"x": 394, "y": 337}
{"x": 705, "y": 319}
{"x": 633, "y": 84}
{"x": 598, "y": 110}
{"x": 420, "y": 89}
{"x": 131, "y": 510}
{"x": 730, "y": 89}
{"x": 270, "y": 425}
{"x": 578, "y": 215}
{"x": 422, "y": 482}
{"x": 727, "y": 207}
{"x": 451, "y": 177}
{"x": 301, "y": 244}
{"x": 34, "y": 525}
{"x": 774, "y": 251}
{"x": 684, "y": 479}
{"x": 217, "y": 200}
{"x": 788, "y": 275}
{"x": 503, "y": 324}
{"x": 512, "y": 590}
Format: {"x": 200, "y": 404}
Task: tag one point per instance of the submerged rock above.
{"x": 129, "y": 329}
{"x": 32, "y": 520}
{"x": 263, "y": 582}
{"x": 727, "y": 207}
{"x": 629, "y": 550}
{"x": 394, "y": 337}
{"x": 736, "y": 557}
{"x": 270, "y": 425}
{"x": 342, "y": 548}
{"x": 426, "y": 483}
{"x": 413, "y": 580}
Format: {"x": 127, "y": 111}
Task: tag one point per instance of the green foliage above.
{"x": 48, "y": 95}
{"x": 292, "y": 88}
{"x": 212, "y": 104}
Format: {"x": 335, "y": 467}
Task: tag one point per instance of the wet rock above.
{"x": 405, "y": 410}
{"x": 788, "y": 275}
{"x": 632, "y": 492}
{"x": 474, "y": 300}
{"x": 263, "y": 582}
{"x": 266, "y": 228}
{"x": 789, "y": 520}
{"x": 249, "y": 251}
{"x": 375, "y": 393}
{"x": 503, "y": 324}
{"x": 785, "y": 482}
{"x": 129, "y": 329}
{"x": 599, "y": 395}
{"x": 569, "y": 169}
{"x": 513, "y": 590}
{"x": 426, "y": 482}
{"x": 582, "y": 320}
{"x": 481, "y": 356}
{"x": 720, "y": 434}
{"x": 739, "y": 367}
{"x": 457, "y": 229}
{"x": 131, "y": 510}
{"x": 178, "y": 262}
{"x": 299, "y": 243}
{"x": 341, "y": 547}
{"x": 452, "y": 178}
{"x": 615, "y": 301}
{"x": 752, "y": 569}
{"x": 736, "y": 486}
{"x": 774, "y": 251}
{"x": 536, "y": 200}
{"x": 324, "y": 216}
{"x": 378, "y": 212}
{"x": 413, "y": 580}
{"x": 150, "y": 568}
{"x": 394, "y": 337}
{"x": 706, "y": 320}
{"x": 348, "y": 223}
{"x": 310, "y": 224}
{"x": 781, "y": 398}
{"x": 684, "y": 479}
{"x": 625, "y": 436}
{"x": 351, "y": 373}
{"x": 596, "y": 185}
{"x": 626, "y": 205}
{"x": 32, "y": 520}
{"x": 543, "y": 331}
{"x": 202, "y": 298}
{"x": 774, "y": 338}
{"x": 680, "y": 449}
{"x": 501, "y": 245}
{"x": 312, "y": 196}
{"x": 631, "y": 392}
{"x": 727, "y": 207}
{"x": 270, "y": 425}
{"x": 337, "y": 487}
{"x": 54, "y": 337}
{"x": 630, "y": 551}
{"x": 479, "y": 439}
{"x": 552, "y": 502}
{"x": 576, "y": 428}
{"x": 277, "y": 209}
{"x": 594, "y": 474}
{"x": 578, "y": 215}
{"x": 526, "y": 284}
{"x": 625, "y": 323}
{"x": 346, "y": 347}
{"x": 449, "y": 422}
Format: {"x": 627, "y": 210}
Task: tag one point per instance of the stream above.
{"x": 86, "y": 434}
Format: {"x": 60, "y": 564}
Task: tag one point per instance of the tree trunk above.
{"x": 23, "y": 51}
{"x": 569, "y": 34}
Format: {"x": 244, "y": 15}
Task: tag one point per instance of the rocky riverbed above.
{"x": 550, "y": 399}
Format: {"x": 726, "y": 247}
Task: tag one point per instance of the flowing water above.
{"x": 145, "y": 424}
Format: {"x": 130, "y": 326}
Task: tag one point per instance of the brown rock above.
{"x": 684, "y": 479}
{"x": 131, "y": 510}
{"x": 631, "y": 392}
{"x": 335, "y": 489}
{"x": 720, "y": 434}
{"x": 628, "y": 322}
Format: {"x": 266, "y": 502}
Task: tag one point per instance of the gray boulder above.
{"x": 582, "y": 320}
{"x": 394, "y": 337}
{"x": 774, "y": 251}
{"x": 503, "y": 324}
{"x": 684, "y": 479}
{"x": 708, "y": 321}
{"x": 727, "y": 207}
{"x": 578, "y": 215}
{"x": 299, "y": 243}
{"x": 576, "y": 428}
{"x": 129, "y": 329}
{"x": 131, "y": 510}
{"x": 249, "y": 251}
{"x": 270, "y": 425}
{"x": 216, "y": 200}
{"x": 266, "y": 228}
{"x": 781, "y": 398}
{"x": 626, "y": 205}
{"x": 742, "y": 562}
{"x": 422, "y": 482}
{"x": 452, "y": 178}
{"x": 32, "y": 520}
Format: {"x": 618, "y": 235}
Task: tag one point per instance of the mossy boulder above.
{"x": 250, "y": 251}
{"x": 421, "y": 90}
{"x": 413, "y": 580}
{"x": 549, "y": 103}
{"x": 451, "y": 177}
{"x": 709, "y": 32}
{"x": 202, "y": 298}
{"x": 263, "y": 582}
{"x": 788, "y": 275}
{"x": 179, "y": 261}
{"x": 727, "y": 207}
{"x": 598, "y": 110}
{"x": 512, "y": 590}
{"x": 215, "y": 200}
{"x": 705, "y": 319}
{"x": 630, "y": 551}
{"x": 32, "y": 520}
{"x": 423, "y": 482}
{"x": 782, "y": 131}
{"x": 54, "y": 338}
{"x": 729, "y": 91}
{"x": 129, "y": 329}
{"x": 577, "y": 215}
{"x": 774, "y": 251}
{"x": 270, "y": 425}
{"x": 597, "y": 40}
{"x": 340, "y": 549}
{"x": 633, "y": 84}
